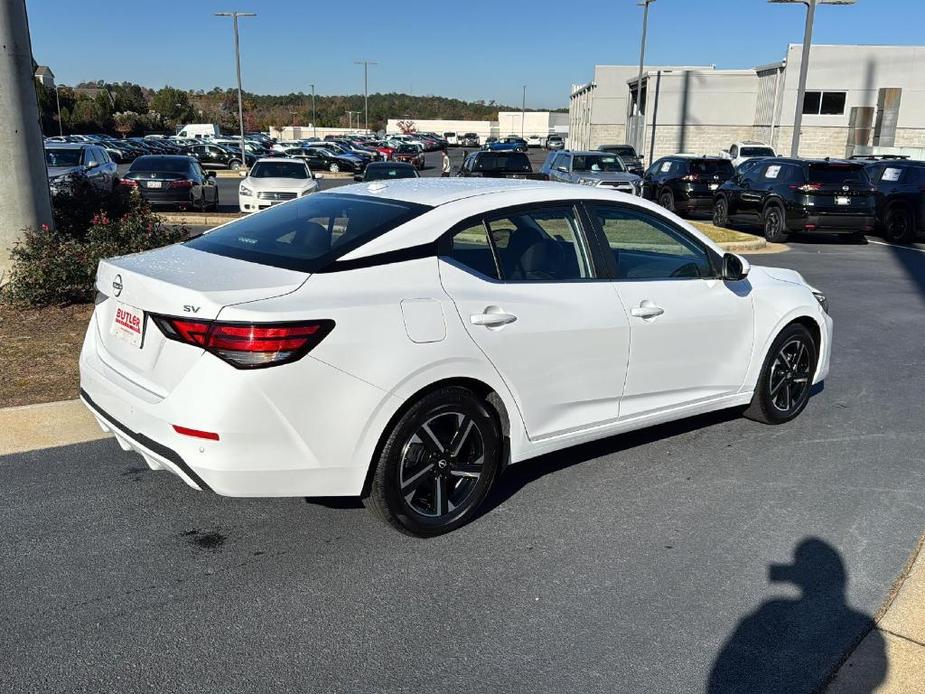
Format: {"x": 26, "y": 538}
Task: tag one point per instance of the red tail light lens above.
{"x": 128, "y": 183}
{"x": 183, "y": 183}
{"x": 248, "y": 345}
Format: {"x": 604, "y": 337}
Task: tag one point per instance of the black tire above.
{"x": 786, "y": 378}
{"x": 418, "y": 477}
{"x": 214, "y": 206}
{"x": 666, "y": 200}
{"x": 721, "y": 212}
{"x": 775, "y": 229}
{"x": 899, "y": 226}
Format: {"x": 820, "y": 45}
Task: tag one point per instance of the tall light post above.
{"x": 523, "y": 111}
{"x": 804, "y": 62}
{"x": 642, "y": 59}
{"x": 58, "y": 104}
{"x": 314, "y": 127}
{"x": 365, "y": 64}
{"x": 234, "y": 14}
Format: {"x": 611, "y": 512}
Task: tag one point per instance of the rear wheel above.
{"x": 334, "y": 168}
{"x": 774, "y": 229}
{"x": 438, "y": 463}
{"x": 786, "y": 377}
{"x": 666, "y": 200}
{"x": 234, "y": 165}
{"x": 899, "y": 226}
{"x": 721, "y": 213}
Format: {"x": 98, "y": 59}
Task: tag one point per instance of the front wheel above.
{"x": 721, "y": 213}
{"x": 786, "y": 377}
{"x": 334, "y": 168}
{"x": 234, "y": 165}
{"x": 899, "y": 227}
{"x": 774, "y": 229}
{"x": 438, "y": 463}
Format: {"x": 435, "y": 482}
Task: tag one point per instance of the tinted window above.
{"x": 165, "y": 164}
{"x": 711, "y": 167}
{"x": 309, "y": 233}
{"x": 833, "y": 103}
{"x": 598, "y": 162}
{"x": 513, "y": 161}
{"x": 279, "y": 169}
{"x": 811, "y": 102}
{"x": 539, "y": 245}
{"x": 837, "y": 174}
{"x": 470, "y": 247}
{"x": 375, "y": 173}
{"x": 756, "y": 152}
{"x": 645, "y": 247}
{"x": 622, "y": 150}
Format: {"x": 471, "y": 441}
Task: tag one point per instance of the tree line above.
{"x": 127, "y": 109}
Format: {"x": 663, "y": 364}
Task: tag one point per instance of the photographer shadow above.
{"x": 792, "y": 645}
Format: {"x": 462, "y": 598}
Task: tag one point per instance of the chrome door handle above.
{"x": 647, "y": 311}
{"x": 492, "y": 319}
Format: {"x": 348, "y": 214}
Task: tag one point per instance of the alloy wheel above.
{"x": 720, "y": 214}
{"x": 790, "y": 375}
{"x": 441, "y": 464}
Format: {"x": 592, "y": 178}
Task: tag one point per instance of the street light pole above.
{"x": 642, "y": 59}
{"x": 314, "y": 126}
{"x": 58, "y": 104}
{"x": 523, "y": 111}
{"x": 804, "y": 63}
{"x": 237, "y": 58}
{"x": 365, "y": 64}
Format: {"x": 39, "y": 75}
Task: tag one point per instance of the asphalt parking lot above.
{"x": 631, "y": 564}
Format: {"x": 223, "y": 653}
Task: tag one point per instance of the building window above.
{"x": 824, "y": 103}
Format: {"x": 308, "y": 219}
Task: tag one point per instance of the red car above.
{"x": 383, "y": 149}
{"x": 412, "y": 154}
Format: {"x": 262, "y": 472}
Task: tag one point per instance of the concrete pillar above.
{"x": 24, "y": 197}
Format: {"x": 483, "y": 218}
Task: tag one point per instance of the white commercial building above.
{"x": 857, "y": 98}
{"x": 482, "y": 128}
{"x": 540, "y": 123}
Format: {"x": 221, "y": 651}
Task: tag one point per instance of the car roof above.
{"x": 70, "y": 145}
{"x": 389, "y": 164}
{"x": 440, "y": 191}
{"x": 291, "y": 160}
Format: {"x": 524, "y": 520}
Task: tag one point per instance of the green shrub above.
{"x": 59, "y": 267}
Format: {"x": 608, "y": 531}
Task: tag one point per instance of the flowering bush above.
{"x": 59, "y": 266}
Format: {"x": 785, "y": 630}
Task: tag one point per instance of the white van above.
{"x": 200, "y": 131}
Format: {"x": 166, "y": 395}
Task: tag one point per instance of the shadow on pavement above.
{"x": 792, "y": 645}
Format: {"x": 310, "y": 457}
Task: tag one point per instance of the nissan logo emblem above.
{"x": 117, "y": 285}
{"x": 845, "y": 188}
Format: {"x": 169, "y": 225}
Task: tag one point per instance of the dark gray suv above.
{"x": 591, "y": 169}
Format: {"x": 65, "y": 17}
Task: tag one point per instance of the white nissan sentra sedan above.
{"x": 403, "y": 341}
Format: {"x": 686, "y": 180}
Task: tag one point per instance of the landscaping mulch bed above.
{"x": 39, "y": 349}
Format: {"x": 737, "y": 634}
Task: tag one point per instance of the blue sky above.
{"x": 475, "y": 49}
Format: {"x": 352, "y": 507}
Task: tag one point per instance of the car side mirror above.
{"x": 92, "y": 165}
{"x": 242, "y": 173}
{"x": 211, "y": 174}
{"x": 563, "y": 169}
{"x": 735, "y": 267}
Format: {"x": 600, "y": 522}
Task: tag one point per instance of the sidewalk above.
{"x": 51, "y": 424}
{"x": 902, "y": 629}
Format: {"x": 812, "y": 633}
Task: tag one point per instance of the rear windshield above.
{"x": 470, "y": 135}
{"x": 279, "y": 169}
{"x": 515, "y": 161}
{"x": 622, "y": 150}
{"x": 375, "y": 173}
{"x": 407, "y": 149}
{"x": 711, "y": 167}
{"x": 598, "y": 162}
{"x": 837, "y": 174}
{"x": 756, "y": 152}
{"x": 308, "y": 233}
{"x": 63, "y": 157}
{"x": 168, "y": 164}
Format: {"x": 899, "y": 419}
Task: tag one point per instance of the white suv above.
{"x": 740, "y": 152}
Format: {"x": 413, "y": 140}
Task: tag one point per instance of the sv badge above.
{"x": 190, "y": 309}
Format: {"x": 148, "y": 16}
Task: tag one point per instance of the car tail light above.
{"x": 807, "y": 187}
{"x": 248, "y": 345}
{"x": 181, "y": 183}
{"x": 128, "y": 183}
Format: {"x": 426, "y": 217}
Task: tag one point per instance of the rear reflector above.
{"x": 211, "y": 436}
{"x": 809, "y": 227}
{"x": 248, "y": 345}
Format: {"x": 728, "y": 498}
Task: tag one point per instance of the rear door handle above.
{"x": 492, "y": 319}
{"x": 647, "y": 310}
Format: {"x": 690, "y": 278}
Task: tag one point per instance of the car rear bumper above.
{"x": 695, "y": 202}
{"x": 275, "y": 436}
{"x": 831, "y": 222}
{"x": 166, "y": 196}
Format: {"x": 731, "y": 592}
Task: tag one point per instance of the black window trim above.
{"x": 589, "y": 240}
{"x": 715, "y": 260}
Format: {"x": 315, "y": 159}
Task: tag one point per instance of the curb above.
{"x": 198, "y": 219}
{"x": 47, "y": 425}
{"x": 736, "y": 246}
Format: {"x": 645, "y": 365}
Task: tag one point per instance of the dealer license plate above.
{"x": 842, "y": 200}
{"x": 154, "y": 184}
{"x": 128, "y": 323}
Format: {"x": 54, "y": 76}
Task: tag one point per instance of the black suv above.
{"x": 900, "y": 198}
{"x": 683, "y": 183}
{"x": 215, "y": 156}
{"x": 627, "y": 154}
{"x": 787, "y": 195}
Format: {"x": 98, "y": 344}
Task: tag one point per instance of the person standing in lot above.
{"x": 446, "y": 163}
